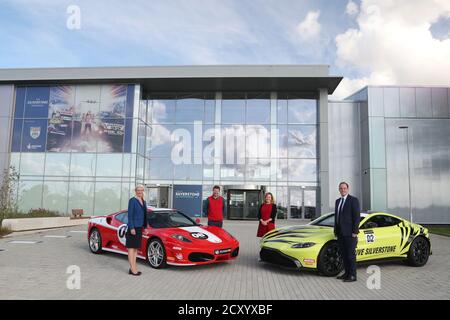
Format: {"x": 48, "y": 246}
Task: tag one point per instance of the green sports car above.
{"x": 314, "y": 245}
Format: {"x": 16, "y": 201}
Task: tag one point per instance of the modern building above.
{"x": 82, "y": 138}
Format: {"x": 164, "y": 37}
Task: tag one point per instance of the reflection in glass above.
{"x": 30, "y": 195}
{"x": 188, "y": 171}
{"x": 83, "y": 164}
{"x": 57, "y": 164}
{"x": 257, "y": 141}
{"x": 302, "y": 141}
{"x": 281, "y": 199}
{"x": 296, "y": 202}
{"x": 161, "y": 169}
{"x": 55, "y": 195}
{"x": 302, "y": 111}
{"x": 163, "y": 111}
{"x": 258, "y": 169}
{"x": 233, "y": 110}
{"x": 161, "y": 141}
{"x": 32, "y": 164}
{"x": 232, "y": 171}
{"x": 258, "y": 109}
{"x": 190, "y": 109}
{"x": 302, "y": 170}
{"x": 81, "y": 196}
{"x": 109, "y": 165}
{"x": 107, "y": 197}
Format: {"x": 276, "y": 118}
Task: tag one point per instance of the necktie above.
{"x": 341, "y": 206}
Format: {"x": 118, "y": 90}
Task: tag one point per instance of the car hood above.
{"x": 297, "y": 234}
{"x": 205, "y": 235}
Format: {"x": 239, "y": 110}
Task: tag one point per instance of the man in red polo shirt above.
{"x": 214, "y": 208}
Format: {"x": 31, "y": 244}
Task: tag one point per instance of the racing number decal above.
{"x": 121, "y": 231}
{"x": 370, "y": 237}
{"x": 199, "y": 235}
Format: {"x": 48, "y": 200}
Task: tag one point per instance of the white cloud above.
{"x": 391, "y": 47}
{"x": 352, "y": 8}
{"x": 310, "y": 27}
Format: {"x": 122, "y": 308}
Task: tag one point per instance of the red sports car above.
{"x": 171, "y": 238}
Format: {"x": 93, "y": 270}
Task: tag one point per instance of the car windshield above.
{"x": 169, "y": 219}
{"x": 327, "y": 220}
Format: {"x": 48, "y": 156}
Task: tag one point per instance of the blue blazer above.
{"x": 137, "y": 217}
{"x": 349, "y": 219}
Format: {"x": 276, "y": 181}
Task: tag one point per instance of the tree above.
{"x": 8, "y": 192}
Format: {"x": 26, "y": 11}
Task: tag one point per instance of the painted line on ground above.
{"x": 24, "y": 242}
{"x": 78, "y": 231}
{"x": 55, "y": 236}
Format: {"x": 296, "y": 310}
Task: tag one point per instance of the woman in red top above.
{"x": 266, "y": 215}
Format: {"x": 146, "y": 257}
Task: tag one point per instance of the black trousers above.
{"x": 348, "y": 250}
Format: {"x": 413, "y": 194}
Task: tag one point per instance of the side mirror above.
{"x": 108, "y": 220}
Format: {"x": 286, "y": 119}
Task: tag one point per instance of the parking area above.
{"x": 35, "y": 265}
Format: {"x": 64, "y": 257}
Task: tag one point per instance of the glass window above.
{"x": 281, "y": 199}
{"x": 142, "y": 137}
{"x": 233, "y": 108}
{"x": 282, "y": 170}
{"x": 258, "y": 169}
{"x": 210, "y": 110}
{"x": 30, "y": 195}
{"x": 232, "y": 171}
{"x": 233, "y": 144}
{"x": 113, "y": 167}
{"x": 83, "y": 164}
{"x": 258, "y": 109}
{"x": 190, "y": 109}
{"x": 57, "y": 164}
{"x": 161, "y": 169}
{"x": 302, "y": 170}
{"x": 302, "y": 111}
{"x": 126, "y": 165}
{"x": 188, "y": 171}
{"x": 302, "y": 141}
{"x": 55, "y": 196}
{"x": 257, "y": 141}
{"x": 143, "y": 110}
{"x": 161, "y": 140}
{"x": 163, "y": 111}
{"x": 282, "y": 133}
{"x": 296, "y": 202}
{"x": 282, "y": 105}
{"x": 149, "y": 111}
{"x": 127, "y": 191}
{"x": 107, "y": 197}
{"x": 81, "y": 196}
{"x": 32, "y": 164}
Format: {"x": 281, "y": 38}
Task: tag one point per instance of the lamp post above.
{"x": 409, "y": 170}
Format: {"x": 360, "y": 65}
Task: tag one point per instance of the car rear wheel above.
{"x": 330, "y": 260}
{"x": 419, "y": 252}
{"x": 95, "y": 241}
{"x": 156, "y": 254}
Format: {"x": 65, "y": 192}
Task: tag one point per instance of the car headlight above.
{"x": 181, "y": 238}
{"x": 302, "y": 245}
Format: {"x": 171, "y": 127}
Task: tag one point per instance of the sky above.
{"x": 368, "y": 42}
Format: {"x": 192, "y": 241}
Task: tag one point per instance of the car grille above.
{"x": 276, "y": 257}
{"x": 200, "y": 257}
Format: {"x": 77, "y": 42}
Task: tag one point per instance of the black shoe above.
{"x": 342, "y": 277}
{"x": 134, "y": 274}
{"x": 350, "y": 279}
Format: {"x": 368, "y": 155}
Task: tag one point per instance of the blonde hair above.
{"x": 140, "y": 186}
{"x": 272, "y": 199}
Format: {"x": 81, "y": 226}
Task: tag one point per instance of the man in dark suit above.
{"x": 346, "y": 228}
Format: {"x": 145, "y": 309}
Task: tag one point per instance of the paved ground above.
{"x": 38, "y": 271}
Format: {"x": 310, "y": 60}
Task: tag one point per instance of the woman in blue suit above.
{"x": 137, "y": 220}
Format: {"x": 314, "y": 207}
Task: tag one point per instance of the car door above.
{"x": 379, "y": 238}
{"x": 120, "y": 223}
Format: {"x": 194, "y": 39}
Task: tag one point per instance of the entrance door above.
{"x": 302, "y": 203}
{"x": 158, "y": 196}
{"x": 243, "y": 204}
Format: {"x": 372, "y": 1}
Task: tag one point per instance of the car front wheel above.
{"x": 330, "y": 260}
{"x": 419, "y": 252}
{"x": 156, "y": 254}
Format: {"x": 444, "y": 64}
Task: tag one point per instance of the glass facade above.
{"x": 86, "y": 146}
